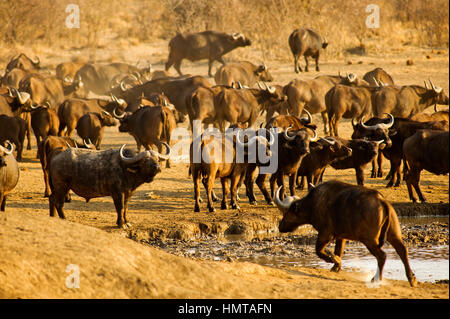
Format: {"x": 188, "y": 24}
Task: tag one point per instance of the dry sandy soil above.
{"x": 33, "y": 264}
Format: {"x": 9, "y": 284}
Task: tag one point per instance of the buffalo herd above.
{"x": 148, "y": 104}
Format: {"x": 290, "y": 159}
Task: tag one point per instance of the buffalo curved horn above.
{"x": 329, "y": 140}
{"x": 37, "y": 61}
{"x": 122, "y": 87}
{"x": 118, "y": 116}
{"x": 23, "y": 97}
{"x": 68, "y": 79}
{"x": 89, "y": 144}
{"x": 135, "y": 75}
{"x": 286, "y": 203}
{"x": 436, "y": 89}
{"x": 68, "y": 145}
{"x": 309, "y": 115}
{"x": 260, "y": 86}
{"x": 8, "y": 150}
{"x": 132, "y": 160}
{"x": 162, "y": 156}
{"x": 435, "y": 108}
{"x": 388, "y": 125}
{"x": 315, "y": 137}
{"x": 236, "y": 35}
{"x": 239, "y": 85}
{"x": 376, "y": 82}
{"x": 426, "y": 85}
{"x": 270, "y": 89}
{"x": 353, "y": 122}
{"x": 351, "y": 77}
{"x": 106, "y": 112}
{"x": 46, "y": 105}
{"x": 9, "y": 92}
{"x": 286, "y": 136}
{"x": 379, "y": 142}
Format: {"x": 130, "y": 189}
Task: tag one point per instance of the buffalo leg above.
{"x": 261, "y": 182}
{"x": 297, "y": 67}
{"x": 326, "y": 125}
{"x": 56, "y": 201}
{"x": 359, "y": 176}
{"x": 380, "y": 255}
{"x": 322, "y": 252}
{"x": 125, "y": 209}
{"x": 380, "y": 164}
{"x": 249, "y": 187}
{"x": 396, "y": 241}
{"x": 395, "y": 166}
{"x": 292, "y": 178}
{"x": 317, "y": 63}
{"x": 210, "y": 64}
{"x": 118, "y": 199}
{"x": 307, "y": 64}
{"x": 196, "y": 178}
{"x": 209, "y": 189}
{"x": 2, "y": 201}
{"x": 413, "y": 179}
{"x": 373, "y": 173}
{"x": 225, "y": 188}
{"x": 338, "y": 251}
{"x": 233, "y": 190}
{"x": 177, "y": 67}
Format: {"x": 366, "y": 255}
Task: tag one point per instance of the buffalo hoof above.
{"x": 380, "y": 174}
{"x": 215, "y": 198}
{"x": 413, "y": 281}
{"x": 197, "y": 209}
{"x": 335, "y": 268}
{"x": 389, "y": 184}
{"x": 253, "y": 202}
{"x": 223, "y": 205}
{"x": 212, "y": 210}
{"x": 373, "y": 175}
{"x": 46, "y": 195}
{"x": 235, "y": 206}
{"x": 271, "y": 203}
{"x": 67, "y": 199}
{"x": 317, "y": 69}
{"x": 28, "y": 147}
{"x": 397, "y": 184}
{"x": 306, "y": 69}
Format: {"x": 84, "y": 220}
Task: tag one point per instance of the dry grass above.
{"x": 34, "y": 23}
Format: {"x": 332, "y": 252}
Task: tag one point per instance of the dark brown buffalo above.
{"x": 291, "y": 121}
{"x": 9, "y": 174}
{"x": 292, "y": 147}
{"x": 219, "y": 158}
{"x": 307, "y": 43}
{"x": 49, "y": 147}
{"x": 12, "y": 79}
{"x": 322, "y": 153}
{"x": 209, "y": 45}
{"x": 436, "y": 116}
{"x": 23, "y": 62}
{"x": 407, "y": 100}
{"x": 399, "y": 132}
{"x": 375, "y": 129}
{"x": 13, "y": 129}
{"x": 363, "y": 152}
{"x": 281, "y": 108}
{"x": 98, "y": 78}
{"x": 91, "y": 125}
{"x": 68, "y": 69}
{"x": 72, "y": 109}
{"x": 92, "y": 174}
{"x": 177, "y": 90}
{"x": 44, "y": 122}
{"x": 344, "y": 101}
{"x": 243, "y": 72}
{"x": 13, "y": 102}
{"x": 425, "y": 150}
{"x": 49, "y": 89}
{"x": 243, "y": 105}
{"x": 377, "y": 77}
{"x": 149, "y": 125}
{"x": 341, "y": 212}
{"x": 310, "y": 94}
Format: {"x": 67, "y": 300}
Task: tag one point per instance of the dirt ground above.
{"x": 164, "y": 209}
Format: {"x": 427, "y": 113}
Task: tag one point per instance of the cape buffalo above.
{"x": 377, "y": 77}
{"x": 341, "y": 212}
{"x": 209, "y": 45}
{"x": 91, "y": 126}
{"x": 425, "y": 150}
{"x": 9, "y": 174}
{"x": 91, "y": 174}
{"x": 244, "y": 72}
{"x": 306, "y": 42}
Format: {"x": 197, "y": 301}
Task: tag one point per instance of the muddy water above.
{"x": 426, "y": 238}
